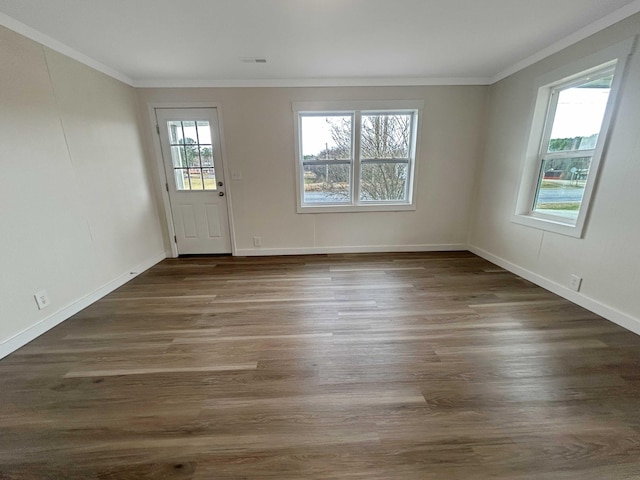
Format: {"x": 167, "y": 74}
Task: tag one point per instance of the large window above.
{"x": 571, "y": 120}
{"x": 357, "y": 159}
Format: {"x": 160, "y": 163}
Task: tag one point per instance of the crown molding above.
{"x": 314, "y": 82}
{"x": 605, "y": 22}
{"x": 33, "y": 34}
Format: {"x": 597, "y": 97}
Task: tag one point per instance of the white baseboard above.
{"x": 34, "y": 331}
{"x": 253, "y": 252}
{"x": 616, "y": 316}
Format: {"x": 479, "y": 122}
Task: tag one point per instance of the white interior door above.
{"x": 192, "y": 157}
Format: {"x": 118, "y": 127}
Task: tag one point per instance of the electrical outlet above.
{"x": 42, "y": 299}
{"x": 575, "y": 282}
{"x": 257, "y": 241}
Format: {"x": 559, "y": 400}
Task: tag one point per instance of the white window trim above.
{"x": 617, "y": 54}
{"x": 357, "y": 108}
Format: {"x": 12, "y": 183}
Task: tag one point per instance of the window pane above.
{"x": 561, "y": 186}
{"x": 195, "y": 177}
{"x": 326, "y": 137}
{"x": 182, "y": 179}
{"x": 385, "y": 136}
{"x": 193, "y": 155}
{"x": 209, "y": 176}
{"x": 190, "y": 133}
{"x": 204, "y": 132}
{"x": 175, "y": 132}
{"x": 178, "y": 156}
{"x": 327, "y": 183}
{"x": 579, "y": 115}
{"x": 383, "y": 181}
{"x": 206, "y": 155}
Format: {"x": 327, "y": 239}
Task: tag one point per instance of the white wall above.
{"x": 608, "y": 257}
{"x": 259, "y": 136}
{"x": 77, "y": 211}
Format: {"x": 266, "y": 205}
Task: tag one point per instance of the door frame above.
{"x": 161, "y": 176}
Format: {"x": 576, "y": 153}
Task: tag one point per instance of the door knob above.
{"x": 220, "y": 184}
{"x": 221, "y": 194}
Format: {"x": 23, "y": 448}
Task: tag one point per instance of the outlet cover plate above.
{"x": 42, "y": 299}
{"x": 575, "y": 283}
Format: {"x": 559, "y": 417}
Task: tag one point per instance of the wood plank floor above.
{"x": 387, "y": 366}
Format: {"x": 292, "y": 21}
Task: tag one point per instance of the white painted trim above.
{"x": 595, "y": 27}
{"x": 314, "y": 82}
{"x": 445, "y": 247}
{"x": 353, "y": 208}
{"x": 616, "y": 316}
{"x": 227, "y": 175}
{"x": 33, "y": 34}
{"x": 161, "y": 179}
{"x": 34, "y": 331}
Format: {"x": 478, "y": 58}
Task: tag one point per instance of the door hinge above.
{"x": 158, "y": 129}
{"x": 175, "y": 239}
{"x": 166, "y": 185}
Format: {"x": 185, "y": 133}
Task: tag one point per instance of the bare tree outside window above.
{"x": 385, "y": 142}
{"x": 375, "y": 146}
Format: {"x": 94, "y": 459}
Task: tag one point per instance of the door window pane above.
{"x": 195, "y": 177}
{"x": 209, "y": 176}
{"x": 182, "y": 179}
{"x": 192, "y": 155}
{"x": 179, "y": 156}
{"x": 176, "y": 135}
{"x": 204, "y": 132}
{"x": 190, "y": 132}
{"x": 206, "y": 156}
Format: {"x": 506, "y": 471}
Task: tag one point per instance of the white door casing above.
{"x": 193, "y": 165}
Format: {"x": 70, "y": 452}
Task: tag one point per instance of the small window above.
{"x": 192, "y": 155}
{"x": 572, "y": 116}
{"x": 351, "y": 160}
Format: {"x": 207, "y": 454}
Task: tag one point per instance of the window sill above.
{"x": 356, "y": 208}
{"x": 548, "y": 225}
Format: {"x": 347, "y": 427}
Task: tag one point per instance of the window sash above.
{"x": 355, "y": 178}
{"x": 544, "y": 154}
{"x": 554, "y": 96}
